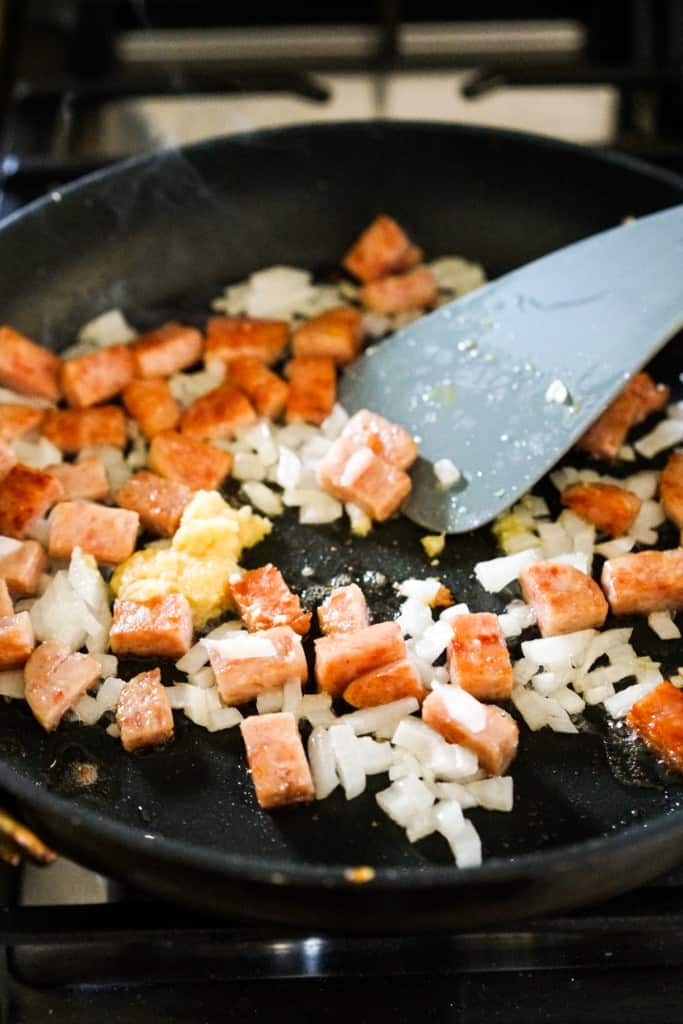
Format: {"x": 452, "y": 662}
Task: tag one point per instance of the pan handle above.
{"x": 18, "y": 843}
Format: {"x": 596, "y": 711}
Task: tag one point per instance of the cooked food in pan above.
{"x": 136, "y": 470}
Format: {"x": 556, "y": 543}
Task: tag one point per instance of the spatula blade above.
{"x": 504, "y": 380}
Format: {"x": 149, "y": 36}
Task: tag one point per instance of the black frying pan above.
{"x": 159, "y": 236}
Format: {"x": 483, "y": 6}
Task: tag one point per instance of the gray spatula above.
{"x": 504, "y": 380}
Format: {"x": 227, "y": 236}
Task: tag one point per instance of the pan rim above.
{"x": 92, "y": 824}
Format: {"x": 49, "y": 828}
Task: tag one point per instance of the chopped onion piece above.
{"x": 418, "y": 738}
{"x": 451, "y": 761}
{"x": 569, "y": 700}
{"x": 421, "y": 824}
{"x": 223, "y": 718}
{"x": 496, "y": 573}
{"x": 321, "y": 758}
{"x": 87, "y": 710}
{"x": 463, "y": 707}
{"x": 384, "y": 718}
{"x": 335, "y": 422}
{"x": 109, "y": 693}
{"x": 448, "y": 614}
{"x": 558, "y": 651}
{"x": 269, "y": 701}
{"x": 348, "y": 759}
{"x": 403, "y": 764}
{"x": 205, "y": 678}
{"x": 616, "y": 547}
{"x": 663, "y": 625}
{"x": 377, "y": 757}
{"x": 434, "y": 641}
{"x": 239, "y": 647}
{"x": 262, "y": 498}
{"x": 554, "y": 539}
{"x": 415, "y": 617}
{"x": 316, "y": 708}
{"x": 405, "y": 798}
{"x": 196, "y": 658}
{"x": 8, "y": 545}
{"x": 447, "y": 473}
{"x": 666, "y": 434}
{"x": 291, "y": 696}
{"x": 517, "y": 617}
{"x": 621, "y": 703}
{"x": 576, "y": 559}
{"x": 108, "y": 663}
{"x": 421, "y": 590}
{"x": 36, "y": 454}
{"x": 361, "y": 523}
{"x": 495, "y": 794}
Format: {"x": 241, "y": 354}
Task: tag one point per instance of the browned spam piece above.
{"x": 218, "y": 414}
{"x": 56, "y": 678}
{"x": 264, "y": 600}
{"x": 200, "y": 466}
{"x": 671, "y": 488}
{"x": 658, "y": 719}
{"x": 144, "y": 713}
{"x": 609, "y": 508}
{"x": 160, "y": 503}
{"x": 381, "y": 248}
{"x": 336, "y": 333}
{"x": 564, "y": 598}
{"x": 265, "y": 390}
{"x": 279, "y": 769}
{"x": 85, "y": 479}
{"x": 151, "y": 403}
{"x": 18, "y": 420}
{"x": 6, "y": 605}
{"x": 94, "y": 378}
{"x": 388, "y": 440}
{"x": 166, "y": 350}
{"x": 160, "y": 628}
{"x": 22, "y": 569}
{"x": 74, "y": 429}
{"x": 495, "y": 745}
{"x": 243, "y": 679}
{"x": 27, "y": 367}
{"x": 360, "y": 476}
{"x": 390, "y": 682}
{"x": 401, "y": 293}
{"x": 644, "y": 582}
{"x": 478, "y": 658}
{"x": 312, "y": 389}
{"x": 342, "y": 657}
{"x": 26, "y": 495}
{"x": 344, "y": 610}
{"x": 232, "y": 337}
{"x": 108, "y": 534}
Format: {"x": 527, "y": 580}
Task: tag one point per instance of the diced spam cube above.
{"x": 640, "y": 397}
{"x": 22, "y": 569}
{"x": 359, "y": 476}
{"x": 264, "y": 389}
{"x": 84, "y": 479}
{"x": 337, "y": 333}
{"x": 478, "y": 658}
{"x": 644, "y": 582}
{"x": 56, "y": 678}
{"x": 383, "y": 247}
{"x": 27, "y": 367}
{"x": 18, "y": 420}
{"x": 6, "y": 606}
{"x": 218, "y": 414}
{"x": 91, "y": 379}
{"x": 229, "y": 337}
{"x": 7, "y": 460}
{"x": 16, "y": 640}
{"x": 242, "y": 679}
{"x": 160, "y": 627}
{"x": 388, "y": 440}
{"x": 610, "y": 508}
{"x": 201, "y": 466}
{"x": 279, "y": 769}
{"x": 26, "y": 495}
{"x": 564, "y": 599}
{"x": 73, "y": 429}
{"x": 495, "y": 745}
{"x": 342, "y": 657}
{"x": 166, "y": 350}
{"x": 108, "y": 534}
{"x": 653, "y": 397}
{"x": 394, "y": 681}
{"x": 671, "y": 488}
{"x": 160, "y": 503}
{"x": 658, "y": 719}
{"x": 144, "y": 713}
{"x": 264, "y": 600}
{"x": 151, "y": 403}
{"x": 401, "y": 293}
{"x": 344, "y": 611}
{"x": 312, "y": 389}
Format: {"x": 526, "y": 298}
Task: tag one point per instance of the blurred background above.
{"x": 83, "y": 82}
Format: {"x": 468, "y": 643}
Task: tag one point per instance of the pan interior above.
{"x": 162, "y": 236}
